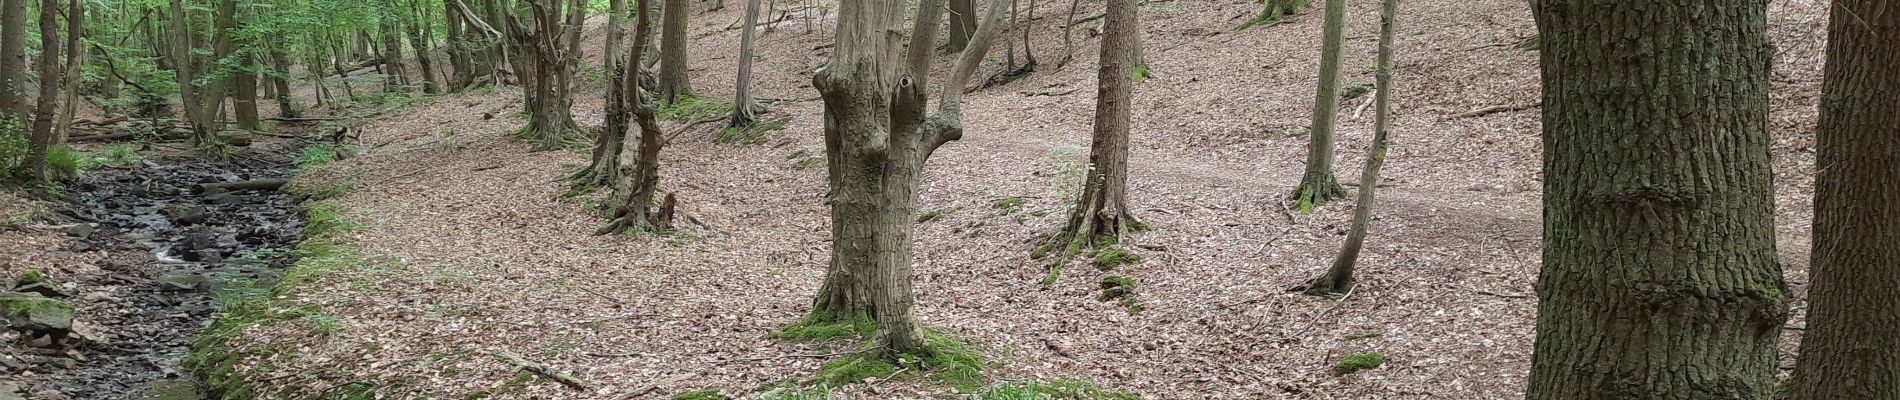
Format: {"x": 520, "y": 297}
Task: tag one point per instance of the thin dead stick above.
{"x": 544, "y": 370}
{"x": 1504, "y": 295}
{"x": 1494, "y": 110}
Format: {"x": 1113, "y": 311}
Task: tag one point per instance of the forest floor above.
{"x": 471, "y": 253}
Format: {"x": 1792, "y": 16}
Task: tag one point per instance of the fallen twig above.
{"x": 1504, "y": 295}
{"x": 1494, "y": 110}
{"x": 544, "y": 370}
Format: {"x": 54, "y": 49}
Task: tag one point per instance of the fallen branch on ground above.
{"x": 543, "y": 370}
{"x": 1494, "y": 110}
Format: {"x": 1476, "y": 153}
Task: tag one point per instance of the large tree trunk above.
{"x": 673, "y": 79}
{"x": 13, "y": 60}
{"x": 244, "y": 98}
{"x": 43, "y": 113}
{"x": 389, "y": 30}
{"x": 202, "y": 131}
{"x": 878, "y": 135}
{"x": 962, "y": 25}
{"x": 744, "y": 109}
{"x": 1659, "y": 279}
{"x": 1338, "y": 280}
{"x": 631, "y": 208}
{"x": 1317, "y": 185}
{"x": 75, "y": 56}
{"x": 547, "y": 57}
{"x": 1101, "y": 214}
{"x": 604, "y": 167}
{"x": 1851, "y": 350}
{"x": 281, "y": 82}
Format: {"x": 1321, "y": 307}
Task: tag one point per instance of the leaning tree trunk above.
{"x": 1101, "y": 215}
{"x": 674, "y": 83}
{"x": 43, "y": 110}
{"x": 13, "y": 60}
{"x": 1338, "y": 279}
{"x": 631, "y": 209}
{"x": 744, "y": 109}
{"x": 878, "y": 135}
{"x": 1849, "y": 350}
{"x": 1317, "y": 185}
{"x": 1659, "y": 279}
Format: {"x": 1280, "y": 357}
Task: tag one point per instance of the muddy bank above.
{"x": 140, "y": 256}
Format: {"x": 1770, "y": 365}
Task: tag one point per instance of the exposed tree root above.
{"x": 1315, "y": 190}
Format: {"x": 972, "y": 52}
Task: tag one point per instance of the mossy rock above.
{"x": 35, "y": 313}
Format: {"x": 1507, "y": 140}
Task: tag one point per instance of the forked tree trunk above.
{"x": 744, "y": 109}
{"x": 546, "y": 52}
{"x": 419, "y": 35}
{"x": 1849, "y": 350}
{"x": 631, "y": 208}
{"x": 389, "y": 30}
{"x": 674, "y": 82}
{"x": 1317, "y": 185}
{"x": 1659, "y": 279}
{"x": 13, "y": 61}
{"x": 1101, "y": 214}
{"x": 42, "y": 137}
{"x": 1338, "y": 279}
{"x": 878, "y": 135}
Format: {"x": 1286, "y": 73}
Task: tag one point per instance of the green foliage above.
{"x": 1007, "y": 204}
{"x": 14, "y": 146}
{"x": 750, "y": 134}
{"x": 702, "y": 394}
{"x": 1052, "y": 389}
{"x": 816, "y": 329}
{"x": 1066, "y": 183}
{"x": 320, "y": 154}
{"x": 692, "y": 107}
{"x": 822, "y": 392}
{"x": 1141, "y": 73}
{"x": 64, "y": 163}
{"x": 119, "y": 155}
{"x": 324, "y": 323}
{"x": 1359, "y": 362}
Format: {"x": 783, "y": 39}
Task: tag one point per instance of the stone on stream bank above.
{"x": 36, "y": 316}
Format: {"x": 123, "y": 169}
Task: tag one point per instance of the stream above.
{"x": 170, "y": 246}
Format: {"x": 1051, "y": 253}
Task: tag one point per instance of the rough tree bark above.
{"x": 244, "y": 97}
{"x": 1317, "y": 184}
{"x": 13, "y": 60}
{"x": 1338, "y": 280}
{"x": 1659, "y": 279}
{"x": 203, "y": 133}
{"x": 674, "y": 82}
{"x": 419, "y": 35}
{"x": 604, "y": 166}
{"x": 548, "y": 56}
{"x": 389, "y": 31}
{"x": 1849, "y": 350}
{"x": 1272, "y": 12}
{"x": 878, "y": 134}
{"x": 744, "y": 108}
{"x": 1101, "y": 214}
{"x": 42, "y": 137}
{"x": 631, "y": 209}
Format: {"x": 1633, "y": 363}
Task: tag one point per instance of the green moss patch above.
{"x": 702, "y": 394}
{"x": 750, "y": 134}
{"x": 1359, "y": 362}
{"x": 692, "y": 107}
{"x": 1074, "y": 389}
{"x": 1115, "y": 287}
{"x": 945, "y": 359}
{"x": 1107, "y": 258}
{"x": 816, "y": 329}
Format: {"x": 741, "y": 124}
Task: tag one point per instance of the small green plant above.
{"x": 122, "y": 154}
{"x": 1359, "y": 362}
{"x": 64, "y": 163}
{"x": 702, "y": 394}
{"x": 1007, "y": 204}
{"x": 324, "y": 323}
{"x": 1052, "y": 389}
{"x": 318, "y": 155}
{"x": 1066, "y": 182}
{"x": 750, "y": 134}
{"x": 945, "y": 359}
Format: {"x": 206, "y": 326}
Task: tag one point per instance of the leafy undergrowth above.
{"x": 693, "y": 107}
{"x": 1052, "y": 389}
{"x": 946, "y": 360}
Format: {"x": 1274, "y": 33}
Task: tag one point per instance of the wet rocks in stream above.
{"x": 158, "y": 244}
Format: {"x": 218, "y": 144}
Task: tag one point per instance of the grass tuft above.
{"x": 1052, "y": 389}
{"x": 813, "y": 329}
{"x": 1359, "y": 362}
{"x": 750, "y": 134}
{"x": 692, "y": 107}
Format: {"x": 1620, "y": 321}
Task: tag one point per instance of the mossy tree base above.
{"x": 554, "y": 136}
{"x": 1274, "y": 12}
{"x": 944, "y": 358}
{"x": 1332, "y": 284}
{"x": 1315, "y": 190}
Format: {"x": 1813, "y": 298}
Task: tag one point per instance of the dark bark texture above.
{"x": 1101, "y": 214}
{"x": 1659, "y": 278}
{"x": 674, "y": 82}
{"x": 1851, "y": 350}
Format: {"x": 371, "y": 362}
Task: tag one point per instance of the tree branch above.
{"x": 947, "y": 124}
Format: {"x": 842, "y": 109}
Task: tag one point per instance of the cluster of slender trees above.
{"x": 1660, "y": 275}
